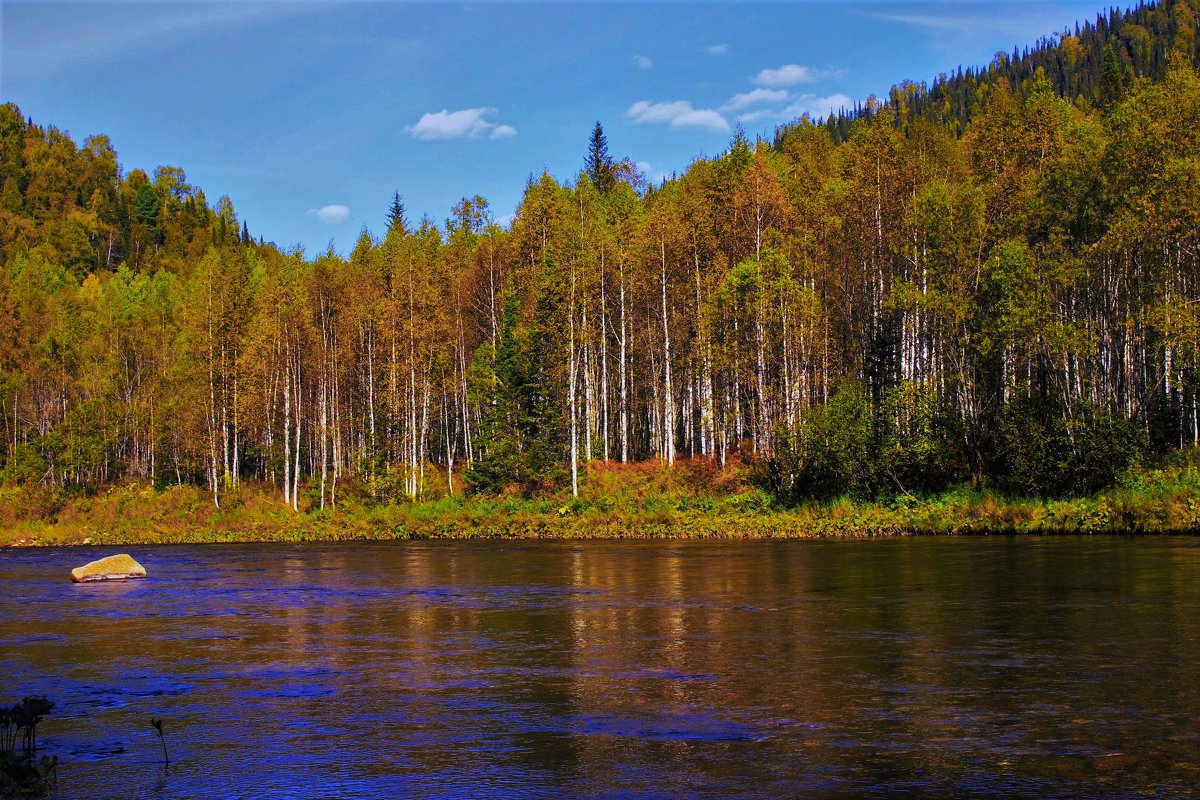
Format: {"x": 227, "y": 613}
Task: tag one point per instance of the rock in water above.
{"x": 113, "y": 568}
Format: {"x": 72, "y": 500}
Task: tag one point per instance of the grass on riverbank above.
{"x": 692, "y": 500}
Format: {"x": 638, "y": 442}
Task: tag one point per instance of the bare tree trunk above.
{"x": 668, "y": 397}
{"x": 371, "y": 405}
{"x": 413, "y": 466}
{"x": 237, "y": 461}
{"x": 588, "y": 404}
{"x": 604, "y": 410}
{"x": 287, "y": 427}
{"x": 760, "y": 430}
{"x": 299, "y": 418}
{"x": 461, "y": 352}
{"x": 624, "y": 377}
{"x": 424, "y": 433}
{"x": 571, "y": 391}
{"x": 492, "y": 297}
{"x": 324, "y": 433}
{"x": 212, "y": 410}
{"x": 447, "y": 415}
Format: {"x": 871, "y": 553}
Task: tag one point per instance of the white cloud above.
{"x": 717, "y": 49}
{"x": 468, "y": 123}
{"x": 679, "y": 114}
{"x": 651, "y": 173}
{"x": 817, "y": 106}
{"x": 330, "y": 215}
{"x": 787, "y": 75}
{"x": 755, "y": 97}
{"x": 975, "y": 19}
{"x": 642, "y": 62}
{"x": 812, "y": 105}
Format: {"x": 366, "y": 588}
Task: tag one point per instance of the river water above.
{"x": 1057, "y": 667}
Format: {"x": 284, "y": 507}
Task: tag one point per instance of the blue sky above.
{"x": 309, "y": 115}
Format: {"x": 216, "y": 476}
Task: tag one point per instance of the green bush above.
{"x": 919, "y": 442}
{"x": 832, "y": 453}
{"x": 25, "y": 465}
{"x": 1043, "y": 448}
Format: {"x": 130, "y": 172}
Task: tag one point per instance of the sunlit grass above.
{"x": 691, "y": 500}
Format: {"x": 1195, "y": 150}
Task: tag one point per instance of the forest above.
{"x": 992, "y": 281}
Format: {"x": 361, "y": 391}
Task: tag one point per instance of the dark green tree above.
{"x": 145, "y": 209}
{"x": 1112, "y": 77}
{"x": 546, "y": 426}
{"x": 499, "y": 433}
{"x": 395, "y": 215}
{"x": 600, "y": 167}
{"x": 521, "y": 437}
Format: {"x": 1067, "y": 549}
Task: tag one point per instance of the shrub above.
{"x": 1042, "y": 448}
{"x": 831, "y": 454}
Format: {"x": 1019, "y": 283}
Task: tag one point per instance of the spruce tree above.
{"x": 545, "y": 423}
{"x": 522, "y": 433}
{"x": 499, "y": 439}
{"x": 599, "y": 164}
{"x": 1112, "y": 77}
{"x": 395, "y": 215}
{"x": 145, "y": 209}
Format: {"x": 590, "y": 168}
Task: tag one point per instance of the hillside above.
{"x": 1094, "y": 65}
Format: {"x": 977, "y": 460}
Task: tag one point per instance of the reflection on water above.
{"x": 1026, "y": 667}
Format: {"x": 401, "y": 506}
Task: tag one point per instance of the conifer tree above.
{"x": 395, "y": 215}
{"x": 146, "y": 208}
{"x": 499, "y": 440}
{"x": 600, "y": 167}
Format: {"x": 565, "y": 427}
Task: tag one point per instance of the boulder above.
{"x": 113, "y": 568}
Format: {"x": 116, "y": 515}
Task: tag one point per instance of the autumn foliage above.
{"x": 994, "y": 282}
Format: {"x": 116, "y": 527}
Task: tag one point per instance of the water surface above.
{"x": 940, "y": 668}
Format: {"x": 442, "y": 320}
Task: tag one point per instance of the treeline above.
{"x": 1093, "y": 65}
{"x": 905, "y": 310}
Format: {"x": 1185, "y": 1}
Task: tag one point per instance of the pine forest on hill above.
{"x": 992, "y": 281}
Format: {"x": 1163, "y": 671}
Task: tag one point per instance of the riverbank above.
{"x": 642, "y": 501}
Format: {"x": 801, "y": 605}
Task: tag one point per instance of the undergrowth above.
{"x": 695, "y": 499}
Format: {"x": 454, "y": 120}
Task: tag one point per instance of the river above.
{"x": 1002, "y": 666}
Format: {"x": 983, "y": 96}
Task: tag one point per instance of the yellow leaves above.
{"x": 92, "y": 289}
{"x": 1071, "y": 49}
{"x": 1178, "y": 320}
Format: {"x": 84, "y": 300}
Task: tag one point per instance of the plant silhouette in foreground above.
{"x": 157, "y": 723}
{"x": 20, "y": 776}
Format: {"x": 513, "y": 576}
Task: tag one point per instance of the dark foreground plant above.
{"x": 157, "y": 723}
{"x": 20, "y": 775}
